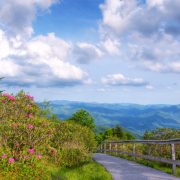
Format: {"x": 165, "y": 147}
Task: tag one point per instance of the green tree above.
{"x": 84, "y": 118}
{"x": 113, "y": 134}
{"x": 118, "y": 131}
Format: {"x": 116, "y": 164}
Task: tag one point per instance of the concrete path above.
{"x": 122, "y": 169}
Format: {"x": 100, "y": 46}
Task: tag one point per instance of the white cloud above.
{"x": 146, "y": 33}
{"x": 8, "y": 68}
{"x": 162, "y": 67}
{"x": 40, "y": 61}
{"x": 115, "y": 13}
{"x": 121, "y": 80}
{"x": 149, "y": 87}
{"x": 111, "y": 46}
{"x": 85, "y": 52}
{"x": 17, "y": 15}
{"x": 4, "y": 45}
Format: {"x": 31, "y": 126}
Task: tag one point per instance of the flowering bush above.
{"x": 28, "y": 139}
{"x": 24, "y": 133}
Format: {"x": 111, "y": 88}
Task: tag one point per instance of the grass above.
{"x": 89, "y": 171}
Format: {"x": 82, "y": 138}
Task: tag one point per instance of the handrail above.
{"x": 112, "y": 146}
{"x": 169, "y": 141}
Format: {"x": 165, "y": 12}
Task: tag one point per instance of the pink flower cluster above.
{"x": 10, "y": 160}
{"x": 10, "y": 97}
{"x": 38, "y": 156}
{"x": 4, "y": 156}
{"x": 30, "y": 126}
{"x": 31, "y": 151}
{"x": 26, "y": 157}
{"x": 29, "y": 97}
{"x": 29, "y": 116}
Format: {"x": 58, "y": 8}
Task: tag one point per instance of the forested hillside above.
{"x": 135, "y": 118}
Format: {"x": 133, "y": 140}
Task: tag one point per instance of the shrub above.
{"x": 31, "y": 137}
{"x": 24, "y": 134}
{"x": 73, "y": 142}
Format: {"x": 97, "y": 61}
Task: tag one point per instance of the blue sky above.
{"x": 92, "y": 50}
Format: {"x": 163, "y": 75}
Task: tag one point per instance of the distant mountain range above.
{"x": 135, "y": 118}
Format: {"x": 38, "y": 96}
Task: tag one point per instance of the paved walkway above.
{"x": 122, "y": 169}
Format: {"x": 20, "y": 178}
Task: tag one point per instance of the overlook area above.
{"x": 89, "y": 89}
{"x": 35, "y": 143}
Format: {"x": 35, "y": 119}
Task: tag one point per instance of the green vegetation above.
{"x": 89, "y": 171}
{"x": 34, "y": 143}
{"x": 28, "y": 138}
{"x": 135, "y": 118}
{"x": 113, "y": 134}
{"x": 162, "y": 134}
{"x": 83, "y": 118}
{"x": 156, "y": 150}
{"x": 74, "y": 143}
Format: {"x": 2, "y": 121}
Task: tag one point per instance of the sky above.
{"x": 107, "y": 51}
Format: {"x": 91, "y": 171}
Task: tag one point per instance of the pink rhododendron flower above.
{"x": 29, "y": 97}
{"x": 11, "y": 160}
{"x": 4, "y": 156}
{"x": 29, "y": 116}
{"x": 12, "y": 98}
{"x": 26, "y": 157}
{"x": 38, "y": 156}
{"x": 31, "y": 151}
{"x": 15, "y": 124}
{"x": 30, "y": 126}
{"x": 5, "y": 94}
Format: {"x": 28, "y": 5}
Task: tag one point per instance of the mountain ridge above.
{"x": 136, "y": 118}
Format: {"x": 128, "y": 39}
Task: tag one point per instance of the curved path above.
{"x": 122, "y": 169}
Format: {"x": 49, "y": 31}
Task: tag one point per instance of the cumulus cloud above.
{"x": 85, "y": 52}
{"x": 111, "y": 46}
{"x": 160, "y": 67}
{"x": 148, "y": 31}
{"x": 40, "y": 61}
{"x": 17, "y": 15}
{"x": 121, "y": 80}
{"x": 127, "y": 16}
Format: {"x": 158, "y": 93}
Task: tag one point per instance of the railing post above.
{"x": 110, "y": 148}
{"x": 122, "y": 149}
{"x": 105, "y": 148}
{"x": 149, "y": 150}
{"x": 101, "y": 148}
{"x": 173, "y": 158}
{"x": 134, "y": 150}
{"x": 116, "y": 149}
